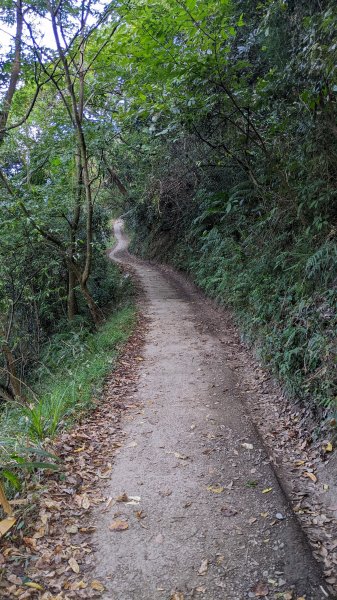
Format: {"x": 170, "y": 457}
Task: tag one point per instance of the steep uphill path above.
{"x": 209, "y": 519}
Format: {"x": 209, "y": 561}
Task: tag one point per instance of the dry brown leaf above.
{"x": 119, "y": 525}
{"x": 299, "y": 463}
{"x": 216, "y": 489}
{"x": 310, "y": 476}
{"x": 52, "y": 504}
{"x": 90, "y": 529}
{"x": 78, "y": 585}
{"x": 85, "y": 501}
{"x": 34, "y": 586}
{"x": 80, "y": 449}
{"x": 6, "y": 524}
{"x": 203, "y": 567}
{"x": 260, "y": 589}
{"x": 29, "y": 541}
{"x": 133, "y": 500}
{"x": 72, "y": 529}
{"x": 74, "y": 565}
{"x": 122, "y": 498}
{"x": 97, "y": 585}
{"x": 177, "y": 596}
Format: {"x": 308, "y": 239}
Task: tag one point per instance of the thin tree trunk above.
{"x": 77, "y": 119}
{"x": 72, "y": 308}
{"x": 14, "y": 380}
{"x": 95, "y": 311}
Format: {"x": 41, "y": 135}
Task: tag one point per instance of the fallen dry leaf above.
{"x": 267, "y": 490}
{"x": 72, "y": 529}
{"x": 177, "y": 596}
{"x": 6, "y": 524}
{"x": 260, "y": 589}
{"x": 78, "y": 585}
{"x": 74, "y": 565}
{"x": 119, "y": 525}
{"x": 34, "y": 586}
{"x": 133, "y": 500}
{"x": 203, "y": 567}
{"x": 328, "y": 447}
{"x": 97, "y": 585}
{"x": 123, "y": 498}
{"x": 310, "y": 476}
{"x": 85, "y": 501}
{"x": 216, "y": 489}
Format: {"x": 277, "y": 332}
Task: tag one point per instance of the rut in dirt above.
{"x": 209, "y": 519}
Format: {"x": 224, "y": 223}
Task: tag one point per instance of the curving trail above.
{"x": 206, "y": 529}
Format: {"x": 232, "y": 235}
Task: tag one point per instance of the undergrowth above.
{"x": 281, "y": 286}
{"x": 67, "y": 383}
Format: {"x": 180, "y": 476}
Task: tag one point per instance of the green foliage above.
{"x": 240, "y": 187}
{"x": 73, "y": 368}
{"x": 69, "y": 382}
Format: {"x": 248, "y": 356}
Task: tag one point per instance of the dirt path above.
{"x": 212, "y": 521}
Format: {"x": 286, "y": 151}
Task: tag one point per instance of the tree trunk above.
{"x": 15, "y": 382}
{"x": 71, "y": 300}
{"x": 95, "y": 311}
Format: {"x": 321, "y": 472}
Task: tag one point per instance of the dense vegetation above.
{"x": 57, "y": 287}
{"x": 212, "y": 126}
{"x": 238, "y": 173}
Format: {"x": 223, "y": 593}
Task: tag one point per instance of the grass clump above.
{"x": 82, "y": 360}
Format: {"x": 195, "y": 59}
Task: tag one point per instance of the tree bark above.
{"x": 15, "y": 382}
{"x": 95, "y": 311}
{"x": 72, "y": 308}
